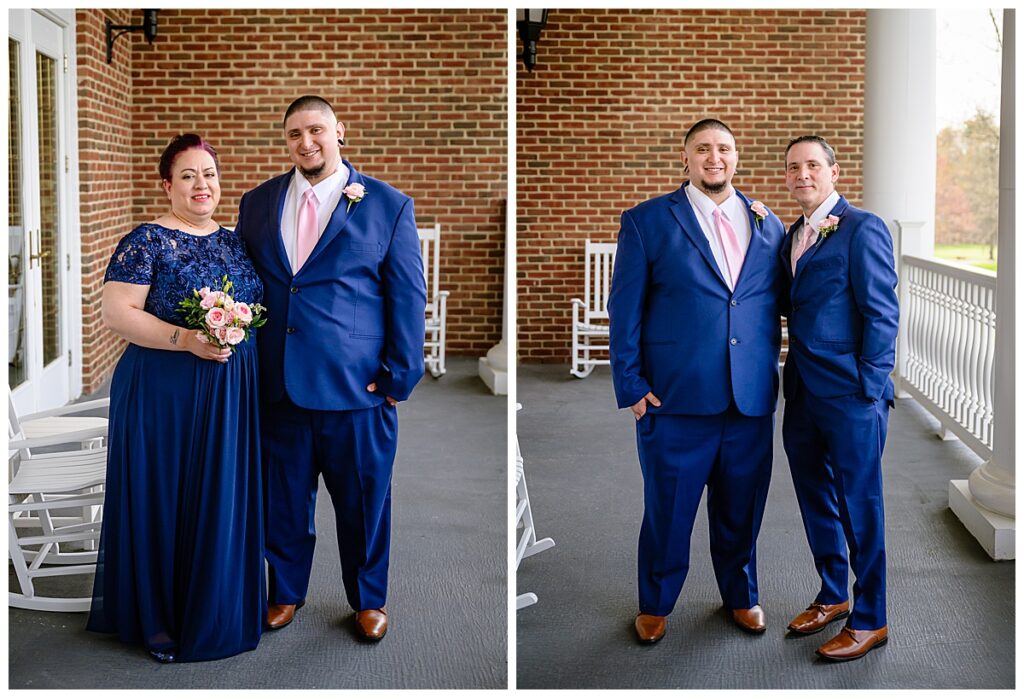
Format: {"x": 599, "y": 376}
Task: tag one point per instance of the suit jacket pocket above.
{"x": 827, "y": 263}
{"x": 843, "y": 345}
{"x": 363, "y": 248}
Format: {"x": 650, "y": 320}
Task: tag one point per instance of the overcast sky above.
{"x": 967, "y": 74}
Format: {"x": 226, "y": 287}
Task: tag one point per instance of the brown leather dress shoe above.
{"x": 372, "y": 623}
{"x": 280, "y": 615}
{"x": 750, "y": 619}
{"x": 817, "y": 616}
{"x": 853, "y": 644}
{"x": 649, "y": 629}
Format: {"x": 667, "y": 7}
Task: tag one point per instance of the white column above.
{"x": 986, "y": 504}
{"x": 899, "y": 123}
{"x": 493, "y": 368}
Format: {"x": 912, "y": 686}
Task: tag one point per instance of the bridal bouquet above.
{"x": 219, "y": 318}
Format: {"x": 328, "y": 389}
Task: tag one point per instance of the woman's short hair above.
{"x": 178, "y": 145}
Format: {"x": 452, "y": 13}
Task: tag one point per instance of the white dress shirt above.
{"x": 328, "y": 194}
{"x": 821, "y": 213}
{"x": 734, "y": 210}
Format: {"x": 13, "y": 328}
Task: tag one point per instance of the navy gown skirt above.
{"x": 180, "y": 565}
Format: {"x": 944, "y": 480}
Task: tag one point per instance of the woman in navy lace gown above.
{"x": 181, "y": 553}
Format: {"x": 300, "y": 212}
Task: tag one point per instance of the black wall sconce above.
{"x": 530, "y": 22}
{"x": 148, "y": 29}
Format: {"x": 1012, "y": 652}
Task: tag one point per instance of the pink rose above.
{"x": 827, "y": 225}
{"x": 229, "y": 303}
{"x": 234, "y": 335}
{"x": 229, "y": 319}
{"x": 243, "y": 312}
{"x": 209, "y": 300}
{"x": 221, "y": 333}
{"x": 759, "y": 209}
{"x": 354, "y": 192}
{"x": 216, "y": 317}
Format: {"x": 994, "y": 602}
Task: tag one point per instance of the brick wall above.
{"x": 602, "y": 117}
{"x": 105, "y": 166}
{"x": 423, "y": 95}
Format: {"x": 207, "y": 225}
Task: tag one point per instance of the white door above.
{"x": 40, "y": 352}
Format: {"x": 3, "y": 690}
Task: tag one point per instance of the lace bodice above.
{"x": 173, "y": 263}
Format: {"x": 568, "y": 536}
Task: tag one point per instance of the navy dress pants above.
{"x": 354, "y": 451}
{"x": 680, "y": 455}
{"x": 835, "y": 447}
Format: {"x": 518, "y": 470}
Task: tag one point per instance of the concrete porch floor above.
{"x": 951, "y": 609}
{"x": 448, "y": 585}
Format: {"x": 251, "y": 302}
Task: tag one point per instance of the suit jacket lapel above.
{"x": 683, "y": 212}
{"x": 806, "y": 258}
{"x": 786, "y": 250}
{"x": 340, "y": 217}
{"x": 757, "y": 240}
{"x": 282, "y": 192}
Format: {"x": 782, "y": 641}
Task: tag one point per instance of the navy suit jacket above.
{"x": 354, "y": 313}
{"x": 843, "y": 312}
{"x": 677, "y": 330}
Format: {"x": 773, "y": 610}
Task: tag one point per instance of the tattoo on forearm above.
{"x": 174, "y": 337}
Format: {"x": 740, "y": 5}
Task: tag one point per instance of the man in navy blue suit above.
{"x": 695, "y": 338}
{"x": 843, "y": 316}
{"x": 343, "y": 284}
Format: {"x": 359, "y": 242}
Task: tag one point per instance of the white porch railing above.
{"x": 947, "y": 345}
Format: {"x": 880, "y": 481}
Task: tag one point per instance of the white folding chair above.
{"x": 437, "y": 301}
{"x": 528, "y": 544}
{"x": 590, "y": 316}
{"x": 41, "y": 534}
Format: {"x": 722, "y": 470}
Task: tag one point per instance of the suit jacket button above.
{"x": 733, "y": 302}
{"x": 733, "y": 341}
{"x": 291, "y": 330}
{"x": 294, "y": 290}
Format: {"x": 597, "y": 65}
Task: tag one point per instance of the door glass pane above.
{"x": 16, "y": 372}
{"x": 49, "y": 248}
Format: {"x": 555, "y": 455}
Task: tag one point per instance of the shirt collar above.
{"x": 823, "y": 210}
{"x": 325, "y": 187}
{"x": 704, "y": 203}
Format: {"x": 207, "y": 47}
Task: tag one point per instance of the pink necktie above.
{"x": 308, "y": 231}
{"x": 730, "y": 245}
{"x": 802, "y": 244}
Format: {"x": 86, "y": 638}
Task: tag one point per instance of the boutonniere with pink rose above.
{"x": 354, "y": 193}
{"x": 826, "y": 226}
{"x": 219, "y": 318}
{"x": 760, "y": 211}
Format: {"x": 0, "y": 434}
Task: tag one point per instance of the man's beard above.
{"x": 313, "y": 172}
{"x": 713, "y": 188}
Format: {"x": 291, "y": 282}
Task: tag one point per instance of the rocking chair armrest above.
{"x": 69, "y": 437}
{"x": 68, "y": 409}
{"x": 578, "y": 302}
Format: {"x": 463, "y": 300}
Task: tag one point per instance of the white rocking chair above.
{"x": 57, "y": 421}
{"x": 44, "y": 488}
{"x": 590, "y": 317}
{"x": 437, "y": 301}
{"x": 528, "y": 544}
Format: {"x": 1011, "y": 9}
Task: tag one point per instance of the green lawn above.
{"x": 972, "y": 254}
